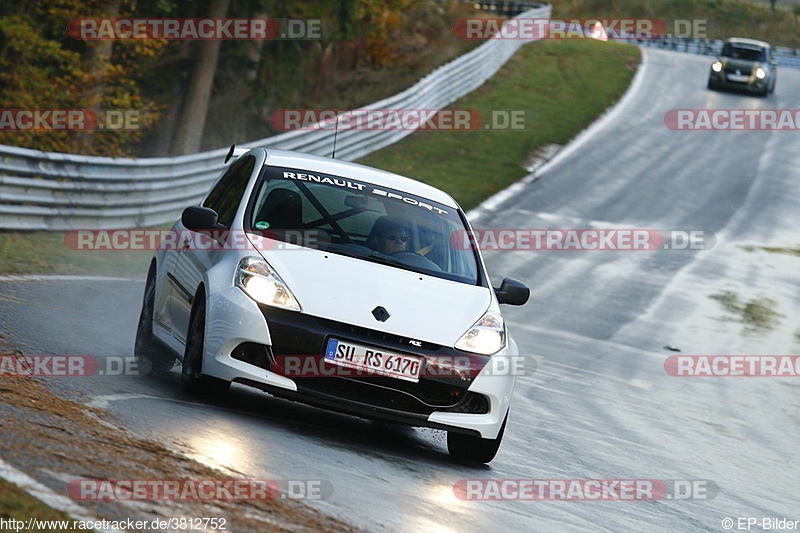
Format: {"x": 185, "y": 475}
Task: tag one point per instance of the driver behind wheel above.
{"x": 388, "y": 237}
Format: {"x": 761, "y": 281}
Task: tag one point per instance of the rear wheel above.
{"x": 150, "y": 356}
{"x": 192, "y": 378}
{"x": 474, "y": 449}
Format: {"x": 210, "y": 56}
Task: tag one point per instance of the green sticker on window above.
{"x": 262, "y": 225}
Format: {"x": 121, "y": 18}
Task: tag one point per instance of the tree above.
{"x": 43, "y": 68}
{"x": 192, "y": 119}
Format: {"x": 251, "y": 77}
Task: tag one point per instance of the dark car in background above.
{"x": 744, "y": 64}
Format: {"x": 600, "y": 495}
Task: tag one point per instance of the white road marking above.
{"x": 103, "y": 402}
{"x": 47, "y": 496}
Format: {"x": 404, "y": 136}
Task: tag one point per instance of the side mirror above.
{"x": 198, "y": 218}
{"x": 512, "y": 292}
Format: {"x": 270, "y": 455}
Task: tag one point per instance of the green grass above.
{"x": 563, "y": 85}
{"x": 18, "y": 505}
{"x": 45, "y": 252}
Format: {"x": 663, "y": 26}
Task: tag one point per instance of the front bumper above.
{"x": 249, "y": 344}
{"x": 750, "y": 84}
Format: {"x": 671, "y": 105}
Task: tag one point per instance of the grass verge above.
{"x": 563, "y": 85}
{"x": 16, "y": 504}
{"x": 45, "y": 252}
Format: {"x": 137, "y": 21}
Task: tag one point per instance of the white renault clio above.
{"x": 340, "y": 286}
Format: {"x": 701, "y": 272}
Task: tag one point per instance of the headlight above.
{"x": 485, "y": 337}
{"x": 761, "y": 73}
{"x": 716, "y": 67}
{"x": 261, "y": 283}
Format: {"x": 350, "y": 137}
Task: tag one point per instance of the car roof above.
{"x": 374, "y": 176}
{"x": 750, "y": 42}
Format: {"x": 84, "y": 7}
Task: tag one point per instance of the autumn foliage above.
{"x": 43, "y": 68}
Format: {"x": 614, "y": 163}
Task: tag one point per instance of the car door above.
{"x": 198, "y": 252}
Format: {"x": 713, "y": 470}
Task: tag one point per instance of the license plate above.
{"x": 373, "y": 360}
{"x": 738, "y": 77}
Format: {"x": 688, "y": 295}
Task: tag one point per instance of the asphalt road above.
{"x": 600, "y": 404}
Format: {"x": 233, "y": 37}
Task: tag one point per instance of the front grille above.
{"x": 295, "y": 334}
{"x": 422, "y": 398}
{"x": 741, "y": 72}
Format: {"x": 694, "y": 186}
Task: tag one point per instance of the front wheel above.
{"x": 150, "y": 356}
{"x": 474, "y": 449}
{"x": 192, "y": 378}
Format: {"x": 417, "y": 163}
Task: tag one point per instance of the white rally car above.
{"x": 340, "y": 286}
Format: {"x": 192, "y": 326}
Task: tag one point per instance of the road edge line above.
{"x": 47, "y": 496}
{"x": 490, "y": 204}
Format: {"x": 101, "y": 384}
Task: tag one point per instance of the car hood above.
{"x": 346, "y": 289}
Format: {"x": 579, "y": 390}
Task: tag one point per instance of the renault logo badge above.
{"x": 381, "y": 314}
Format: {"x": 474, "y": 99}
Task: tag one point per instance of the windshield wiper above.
{"x": 376, "y": 257}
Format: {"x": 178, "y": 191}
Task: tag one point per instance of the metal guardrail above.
{"x": 787, "y": 57}
{"x": 53, "y": 191}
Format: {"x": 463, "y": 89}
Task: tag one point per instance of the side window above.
{"x": 227, "y": 194}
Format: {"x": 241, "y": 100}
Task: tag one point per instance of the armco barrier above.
{"x": 42, "y": 190}
{"x": 786, "y": 57}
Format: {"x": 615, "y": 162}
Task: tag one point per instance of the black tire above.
{"x": 192, "y": 378}
{"x": 151, "y": 357}
{"x": 712, "y": 86}
{"x": 474, "y": 449}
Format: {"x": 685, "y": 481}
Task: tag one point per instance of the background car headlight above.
{"x": 761, "y": 73}
{"x": 261, "y": 283}
{"x": 485, "y": 337}
{"x": 716, "y": 67}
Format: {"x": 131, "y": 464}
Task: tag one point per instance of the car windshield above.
{"x": 365, "y": 221}
{"x": 747, "y": 53}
